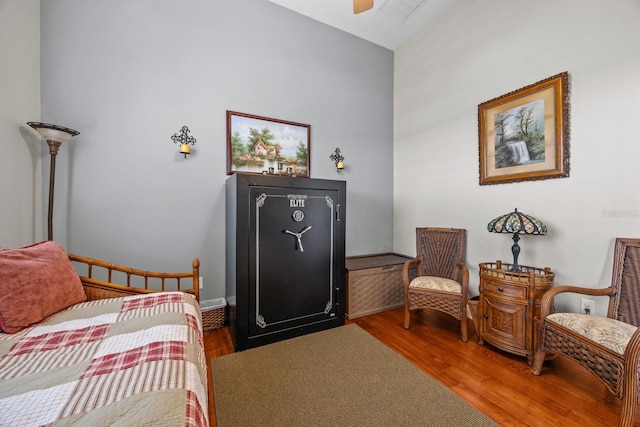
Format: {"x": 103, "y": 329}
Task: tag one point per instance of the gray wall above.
{"x": 21, "y": 150}
{"x": 128, "y": 74}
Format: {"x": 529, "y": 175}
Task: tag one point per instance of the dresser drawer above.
{"x": 508, "y": 290}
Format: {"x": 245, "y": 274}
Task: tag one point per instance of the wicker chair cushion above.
{"x": 436, "y": 283}
{"x": 610, "y": 333}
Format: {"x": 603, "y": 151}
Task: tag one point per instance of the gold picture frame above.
{"x": 524, "y": 135}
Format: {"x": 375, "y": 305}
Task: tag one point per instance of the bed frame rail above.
{"x": 135, "y": 281}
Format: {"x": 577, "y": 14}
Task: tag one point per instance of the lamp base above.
{"x": 52, "y": 179}
{"x": 515, "y": 250}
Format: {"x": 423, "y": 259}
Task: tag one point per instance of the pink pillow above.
{"x": 35, "y": 282}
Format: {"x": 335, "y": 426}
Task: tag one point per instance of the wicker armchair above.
{"x": 609, "y": 347}
{"x": 438, "y": 278}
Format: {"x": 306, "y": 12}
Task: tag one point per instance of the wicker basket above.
{"x": 213, "y": 316}
{"x": 374, "y": 283}
{"x": 473, "y": 304}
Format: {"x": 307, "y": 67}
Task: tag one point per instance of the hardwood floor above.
{"x": 496, "y": 383}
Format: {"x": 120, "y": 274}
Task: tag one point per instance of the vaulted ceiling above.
{"x": 390, "y": 23}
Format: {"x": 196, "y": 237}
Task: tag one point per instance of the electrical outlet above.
{"x": 201, "y": 282}
{"x": 587, "y": 306}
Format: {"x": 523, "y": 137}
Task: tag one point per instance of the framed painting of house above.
{"x": 262, "y": 145}
{"x": 524, "y": 135}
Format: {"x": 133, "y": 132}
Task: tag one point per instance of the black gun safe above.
{"x": 285, "y": 257}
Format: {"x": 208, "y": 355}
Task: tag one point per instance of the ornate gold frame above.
{"x": 535, "y": 118}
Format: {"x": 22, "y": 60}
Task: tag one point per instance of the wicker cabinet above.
{"x": 509, "y": 303}
{"x": 374, "y": 283}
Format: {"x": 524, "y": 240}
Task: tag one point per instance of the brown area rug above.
{"x": 339, "y": 377}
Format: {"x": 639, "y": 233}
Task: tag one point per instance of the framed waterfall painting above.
{"x": 524, "y": 135}
{"x": 262, "y": 145}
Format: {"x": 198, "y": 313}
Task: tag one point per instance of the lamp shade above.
{"x": 53, "y": 133}
{"x": 517, "y": 222}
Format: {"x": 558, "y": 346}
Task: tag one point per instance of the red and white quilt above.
{"x": 136, "y": 360}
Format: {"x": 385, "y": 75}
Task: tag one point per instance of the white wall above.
{"x": 129, "y": 74}
{"x": 20, "y": 150}
{"x": 478, "y": 51}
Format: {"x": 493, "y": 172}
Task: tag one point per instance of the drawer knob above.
{"x": 501, "y": 289}
{"x": 486, "y": 316}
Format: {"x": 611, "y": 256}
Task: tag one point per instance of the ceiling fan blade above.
{"x": 362, "y": 5}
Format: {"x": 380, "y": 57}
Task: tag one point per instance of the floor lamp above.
{"x": 55, "y": 136}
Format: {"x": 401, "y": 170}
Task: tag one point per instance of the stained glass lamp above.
{"x": 517, "y": 223}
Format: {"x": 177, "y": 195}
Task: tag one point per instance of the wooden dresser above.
{"x": 509, "y": 303}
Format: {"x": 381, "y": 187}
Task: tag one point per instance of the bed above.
{"x": 85, "y": 342}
